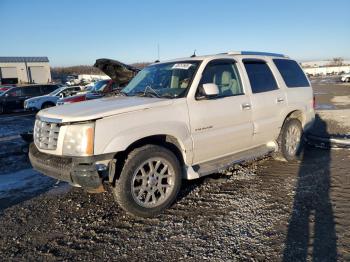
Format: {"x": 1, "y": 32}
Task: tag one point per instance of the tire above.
{"x": 347, "y": 80}
{"x": 290, "y": 140}
{"x": 47, "y": 105}
{"x": 137, "y": 190}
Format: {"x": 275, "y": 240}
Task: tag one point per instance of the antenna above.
{"x": 158, "y": 50}
{"x": 194, "y": 53}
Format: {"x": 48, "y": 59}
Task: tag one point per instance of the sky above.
{"x": 78, "y": 32}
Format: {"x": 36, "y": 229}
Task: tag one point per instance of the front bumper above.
{"x": 78, "y": 171}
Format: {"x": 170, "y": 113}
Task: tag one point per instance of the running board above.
{"x": 222, "y": 164}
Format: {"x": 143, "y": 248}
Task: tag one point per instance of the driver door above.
{"x": 221, "y": 125}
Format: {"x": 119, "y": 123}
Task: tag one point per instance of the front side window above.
{"x": 224, "y": 74}
{"x": 169, "y": 80}
{"x": 260, "y": 76}
{"x": 291, "y": 73}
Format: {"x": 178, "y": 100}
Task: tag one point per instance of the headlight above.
{"x": 79, "y": 140}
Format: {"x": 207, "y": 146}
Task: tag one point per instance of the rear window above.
{"x": 291, "y": 73}
{"x": 260, "y": 76}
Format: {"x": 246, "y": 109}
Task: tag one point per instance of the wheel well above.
{"x": 296, "y": 114}
{"x": 169, "y": 142}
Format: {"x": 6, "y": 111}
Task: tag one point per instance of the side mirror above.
{"x": 209, "y": 90}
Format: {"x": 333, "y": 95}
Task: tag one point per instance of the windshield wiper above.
{"x": 149, "y": 91}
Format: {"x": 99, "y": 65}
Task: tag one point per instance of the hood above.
{"x": 117, "y": 71}
{"x": 38, "y": 98}
{"x": 103, "y": 107}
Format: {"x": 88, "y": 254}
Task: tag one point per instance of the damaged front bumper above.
{"x": 78, "y": 171}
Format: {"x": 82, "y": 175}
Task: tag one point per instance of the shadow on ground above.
{"x": 311, "y": 229}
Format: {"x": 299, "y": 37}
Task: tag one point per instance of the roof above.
{"x": 229, "y": 54}
{"x": 23, "y": 59}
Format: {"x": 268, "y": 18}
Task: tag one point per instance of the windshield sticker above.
{"x": 182, "y": 66}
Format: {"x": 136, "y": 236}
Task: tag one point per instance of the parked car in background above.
{"x": 345, "y": 78}
{"x": 100, "y": 89}
{"x": 13, "y": 99}
{"x": 4, "y": 88}
{"x": 49, "y": 100}
{"x": 120, "y": 75}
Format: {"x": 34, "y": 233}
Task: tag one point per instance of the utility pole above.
{"x": 158, "y": 49}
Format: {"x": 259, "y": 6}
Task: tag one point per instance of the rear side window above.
{"x": 291, "y": 73}
{"x": 31, "y": 91}
{"x": 260, "y": 76}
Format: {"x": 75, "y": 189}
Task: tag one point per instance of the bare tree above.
{"x": 337, "y": 61}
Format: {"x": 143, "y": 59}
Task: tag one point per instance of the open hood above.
{"x": 117, "y": 71}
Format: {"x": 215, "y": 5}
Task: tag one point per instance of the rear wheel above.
{"x": 290, "y": 140}
{"x": 149, "y": 182}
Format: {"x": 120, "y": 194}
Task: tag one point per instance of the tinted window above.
{"x": 31, "y": 91}
{"x": 260, "y": 76}
{"x": 224, "y": 74}
{"x": 48, "y": 88}
{"x": 14, "y": 92}
{"x": 291, "y": 73}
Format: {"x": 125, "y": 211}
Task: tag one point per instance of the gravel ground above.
{"x": 266, "y": 210}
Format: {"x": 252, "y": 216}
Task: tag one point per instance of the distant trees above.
{"x": 337, "y": 61}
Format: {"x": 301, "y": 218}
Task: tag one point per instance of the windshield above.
{"x": 57, "y": 91}
{"x": 169, "y": 80}
{"x": 99, "y": 86}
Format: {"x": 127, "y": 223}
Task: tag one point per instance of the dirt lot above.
{"x": 263, "y": 210}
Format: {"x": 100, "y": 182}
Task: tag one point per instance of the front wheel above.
{"x": 149, "y": 181}
{"x": 290, "y": 141}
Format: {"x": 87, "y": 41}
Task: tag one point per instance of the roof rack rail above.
{"x": 255, "y": 53}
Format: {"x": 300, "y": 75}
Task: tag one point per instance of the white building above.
{"x": 325, "y": 70}
{"x": 21, "y": 70}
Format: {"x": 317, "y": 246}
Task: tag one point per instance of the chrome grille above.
{"x": 46, "y": 134}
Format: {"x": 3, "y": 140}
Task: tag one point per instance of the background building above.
{"x": 326, "y": 67}
{"x": 21, "y": 70}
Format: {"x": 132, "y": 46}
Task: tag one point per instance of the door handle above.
{"x": 246, "y": 106}
{"x": 280, "y": 99}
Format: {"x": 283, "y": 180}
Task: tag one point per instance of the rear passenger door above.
{"x": 268, "y": 100}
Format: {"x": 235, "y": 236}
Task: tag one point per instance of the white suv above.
{"x": 180, "y": 119}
